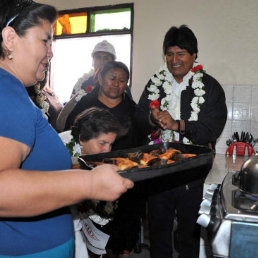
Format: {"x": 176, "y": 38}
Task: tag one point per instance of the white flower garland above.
{"x": 171, "y": 102}
{"x": 77, "y": 88}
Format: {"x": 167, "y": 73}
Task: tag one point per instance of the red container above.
{"x": 241, "y": 148}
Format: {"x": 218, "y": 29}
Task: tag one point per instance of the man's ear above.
{"x": 194, "y": 55}
{"x": 8, "y": 35}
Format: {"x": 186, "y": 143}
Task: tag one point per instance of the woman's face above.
{"x": 114, "y": 83}
{"x": 102, "y": 143}
{"x": 32, "y": 53}
{"x": 101, "y": 58}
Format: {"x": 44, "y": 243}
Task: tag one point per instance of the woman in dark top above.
{"x": 110, "y": 94}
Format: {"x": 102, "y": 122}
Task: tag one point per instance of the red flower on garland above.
{"x": 197, "y": 68}
{"x": 154, "y": 103}
{"x": 88, "y": 89}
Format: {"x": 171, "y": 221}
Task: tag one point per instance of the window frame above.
{"x": 89, "y": 10}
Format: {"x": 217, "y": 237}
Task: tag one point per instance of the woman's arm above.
{"x": 30, "y": 193}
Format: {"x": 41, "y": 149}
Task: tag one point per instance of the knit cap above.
{"x": 104, "y": 46}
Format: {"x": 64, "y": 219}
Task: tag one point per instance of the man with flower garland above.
{"x": 188, "y": 106}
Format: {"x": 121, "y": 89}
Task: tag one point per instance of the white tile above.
{"x": 227, "y": 129}
{"x": 254, "y": 129}
{"x": 254, "y": 112}
{"x": 239, "y": 126}
{"x": 241, "y": 111}
{"x": 229, "y": 107}
{"x": 221, "y": 145}
{"x": 255, "y": 94}
{"x": 242, "y": 94}
{"x": 228, "y": 89}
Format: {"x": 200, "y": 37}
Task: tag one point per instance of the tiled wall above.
{"x": 242, "y": 104}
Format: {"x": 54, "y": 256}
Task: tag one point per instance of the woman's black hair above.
{"x": 22, "y": 15}
{"x": 112, "y": 65}
{"x": 181, "y": 37}
{"x": 94, "y": 121}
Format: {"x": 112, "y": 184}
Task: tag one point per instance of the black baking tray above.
{"x": 203, "y": 158}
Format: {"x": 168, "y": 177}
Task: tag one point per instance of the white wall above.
{"x": 226, "y": 30}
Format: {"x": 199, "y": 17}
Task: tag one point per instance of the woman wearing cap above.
{"x": 33, "y": 198}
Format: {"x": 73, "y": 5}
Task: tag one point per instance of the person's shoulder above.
{"x": 82, "y": 80}
{"x": 208, "y": 77}
{"x": 212, "y": 85}
{"x": 209, "y": 80}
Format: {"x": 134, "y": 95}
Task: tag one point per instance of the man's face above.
{"x": 179, "y": 62}
{"x": 101, "y": 58}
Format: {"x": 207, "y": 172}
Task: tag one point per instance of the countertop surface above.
{"x": 223, "y": 164}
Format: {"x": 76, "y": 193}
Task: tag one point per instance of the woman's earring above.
{"x": 10, "y": 56}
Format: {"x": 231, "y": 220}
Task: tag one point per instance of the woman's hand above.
{"x": 107, "y": 184}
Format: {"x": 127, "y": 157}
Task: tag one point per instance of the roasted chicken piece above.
{"x": 135, "y": 156}
{"x": 148, "y": 159}
{"x": 179, "y": 156}
{"x": 124, "y": 163}
{"x": 170, "y": 161}
{"x": 168, "y": 154}
{"x": 157, "y": 152}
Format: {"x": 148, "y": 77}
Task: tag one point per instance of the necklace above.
{"x": 171, "y": 102}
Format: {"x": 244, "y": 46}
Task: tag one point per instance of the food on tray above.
{"x": 141, "y": 159}
{"x": 124, "y": 163}
{"x": 148, "y": 159}
{"x": 157, "y": 152}
{"x": 135, "y": 156}
{"x": 170, "y": 161}
{"x": 187, "y": 155}
{"x": 169, "y": 153}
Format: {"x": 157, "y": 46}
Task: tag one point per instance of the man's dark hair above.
{"x": 181, "y": 37}
{"x": 94, "y": 121}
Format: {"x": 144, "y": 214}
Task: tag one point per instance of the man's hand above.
{"x": 164, "y": 119}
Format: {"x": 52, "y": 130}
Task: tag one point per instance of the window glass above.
{"x": 110, "y": 20}
{"x": 71, "y": 24}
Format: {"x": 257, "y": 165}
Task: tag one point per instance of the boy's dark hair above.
{"x": 94, "y": 121}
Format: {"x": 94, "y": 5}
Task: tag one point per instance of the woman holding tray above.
{"x": 35, "y": 178}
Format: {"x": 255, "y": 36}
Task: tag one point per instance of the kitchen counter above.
{"x": 222, "y": 164}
